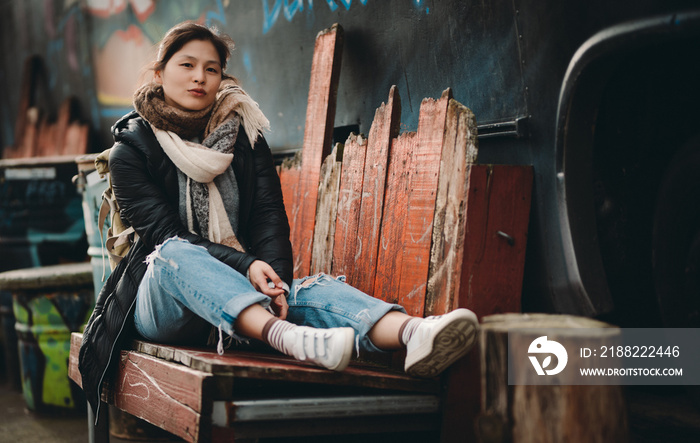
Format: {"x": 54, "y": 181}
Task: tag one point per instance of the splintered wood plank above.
{"x": 498, "y": 212}
{"x": 165, "y": 394}
{"x": 385, "y": 127}
{"x": 458, "y": 153}
{"x": 326, "y": 212}
{"x": 349, "y": 198}
{"x": 421, "y": 203}
{"x": 390, "y": 255}
{"x": 318, "y": 132}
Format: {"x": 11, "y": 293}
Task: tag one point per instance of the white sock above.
{"x": 274, "y": 331}
{"x": 408, "y": 328}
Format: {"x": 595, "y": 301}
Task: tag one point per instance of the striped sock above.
{"x": 408, "y": 328}
{"x": 273, "y": 331}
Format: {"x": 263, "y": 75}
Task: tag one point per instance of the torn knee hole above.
{"x": 308, "y": 282}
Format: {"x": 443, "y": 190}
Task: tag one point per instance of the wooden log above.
{"x": 385, "y": 127}
{"x": 326, "y": 212}
{"x": 421, "y": 203}
{"x": 391, "y": 242}
{"x": 318, "y": 132}
{"x": 450, "y": 222}
{"x": 349, "y": 199}
{"x": 553, "y": 413}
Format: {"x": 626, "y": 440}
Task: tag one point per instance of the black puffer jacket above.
{"x": 145, "y": 185}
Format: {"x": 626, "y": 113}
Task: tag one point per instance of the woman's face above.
{"x": 192, "y": 76}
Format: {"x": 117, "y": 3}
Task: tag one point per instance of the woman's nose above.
{"x": 198, "y": 76}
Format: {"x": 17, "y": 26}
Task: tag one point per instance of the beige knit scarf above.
{"x": 202, "y": 163}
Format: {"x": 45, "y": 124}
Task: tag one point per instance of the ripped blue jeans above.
{"x": 185, "y": 291}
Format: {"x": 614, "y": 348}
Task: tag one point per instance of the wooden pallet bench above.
{"x": 408, "y": 218}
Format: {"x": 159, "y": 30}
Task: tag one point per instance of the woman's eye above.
{"x": 213, "y": 70}
{"x": 187, "y": 65}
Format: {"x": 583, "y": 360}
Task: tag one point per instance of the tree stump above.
{"x": 525, "y": 412}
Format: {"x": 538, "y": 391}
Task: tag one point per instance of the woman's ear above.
{"x": 157, "y": 77}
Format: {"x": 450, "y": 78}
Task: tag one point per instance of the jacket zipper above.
{"x": 109, "y": 361}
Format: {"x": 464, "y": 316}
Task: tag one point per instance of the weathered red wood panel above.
{"x": 498, "y": 210}
{"x": 447, "y": 250}
{"x": 390, "y": 255}
{"x": 318, "y": 131}
{"x": 165, "y": 394}
{"x": 421, "y": 203}
{"x": 385, "y": 127}
{"x": 289, "y": 173}
{"x": 326, "y": 212}
{"x": 349, "y": 198}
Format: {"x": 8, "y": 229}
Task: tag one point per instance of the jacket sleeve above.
{"x": 269, "y": 231}
{"x": 144, "y": 205}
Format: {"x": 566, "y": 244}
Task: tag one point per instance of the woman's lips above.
{"x": 197, "y": 92}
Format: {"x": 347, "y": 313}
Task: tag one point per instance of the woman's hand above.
{"x": 266, "y": 280}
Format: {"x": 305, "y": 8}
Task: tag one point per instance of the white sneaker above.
{"x": 329, "y": 348}
{"x": 439, "y": 341}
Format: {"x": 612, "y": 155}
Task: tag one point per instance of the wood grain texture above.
{"x": 385, "y": 127}
{"x": 449, "y": 227}
{"x": 289, "y": 173}
{"x": 391, "y": 240}
{"x": 76, "y": 339}
{"x": 318, "y": 131}
{"x": 524, "y": 413}
{"x": 326, "y": 212}
{"x": 498, "y": 212}
{"x": 165, "y": 394}
{"x": 421, "y": 203}
{"x": 349, "y": 199}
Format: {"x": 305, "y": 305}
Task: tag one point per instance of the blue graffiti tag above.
{"x": 290, "y": 8}
{"x": 217, "y": 15}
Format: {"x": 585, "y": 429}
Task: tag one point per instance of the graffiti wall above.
{"x": 57, "y": 32}
{"x": 98, "y": 50}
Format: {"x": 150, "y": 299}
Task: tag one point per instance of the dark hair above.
{"x": 183, "y": 33}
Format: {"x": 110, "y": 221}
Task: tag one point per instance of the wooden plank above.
{"x": 421, "y": 203}
{"x": 390, "y": 255}
{"x": 459, "y": 151}
{"x": 326, "y": 212}
{"x": 165, "y": 394}
{"x": 318, "y": 132}
{"x": 76, "y": 339}
{"x": 258, "y": 365}
{"x": 385, "y": 127}
{"x": 349, "y": 198}
{"x": 498, "y": 212}
{"x": 289, "y": 173}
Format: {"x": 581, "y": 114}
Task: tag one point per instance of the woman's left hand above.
{"x": 280, "y": 307}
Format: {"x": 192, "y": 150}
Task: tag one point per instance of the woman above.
{"x": 194, "y": 176}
